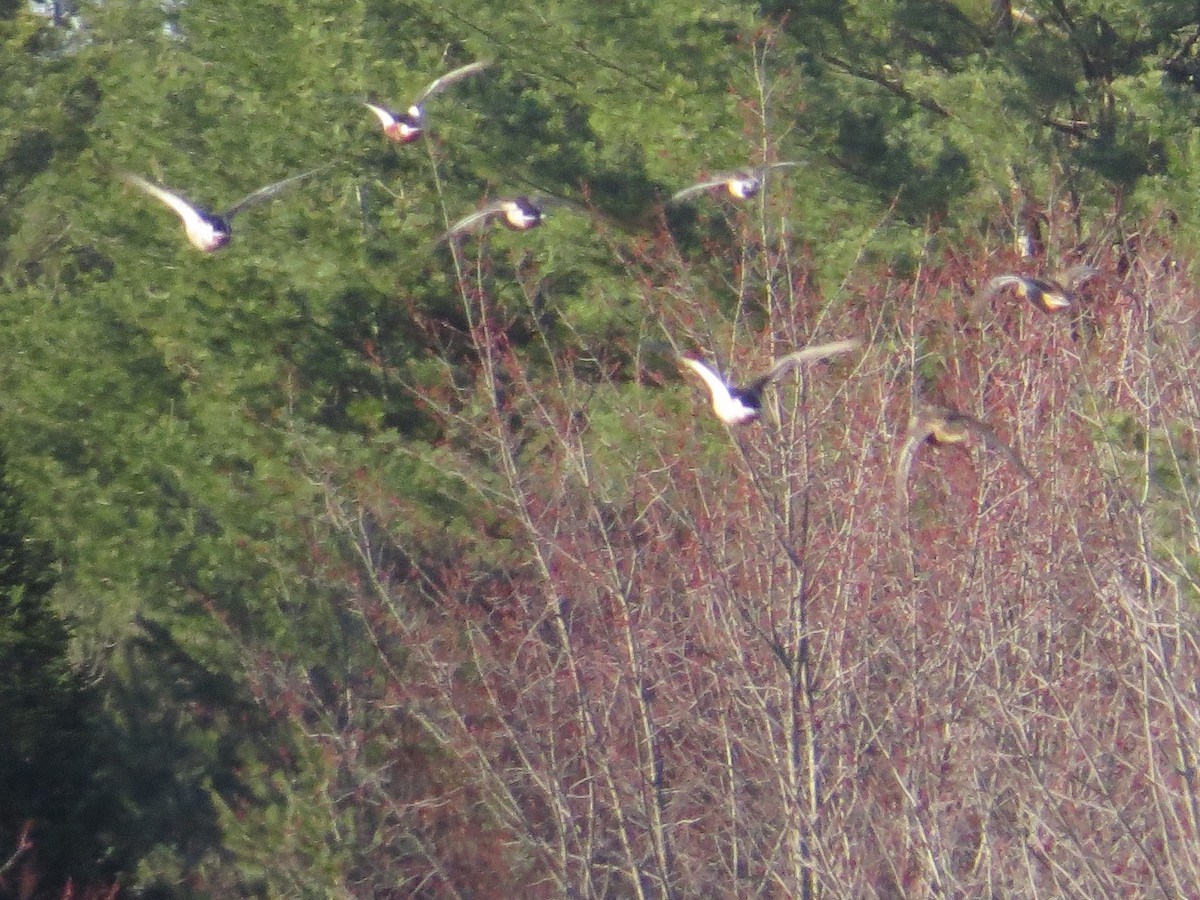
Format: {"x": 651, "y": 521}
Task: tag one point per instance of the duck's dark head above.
{"x": 750, "y": 403}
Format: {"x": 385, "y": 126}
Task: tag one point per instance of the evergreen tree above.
{"x": 48, "y": 752}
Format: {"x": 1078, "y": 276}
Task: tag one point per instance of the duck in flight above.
{"x": 209, "y": 231}
{"x": 941, "y": 425}
{"x": 741, "y": 405}
{"x": 1047, "y": 294}
{"x": 514, "y": 213}
{"x": 741, "y": 184}
{"x": 406, "y": 127}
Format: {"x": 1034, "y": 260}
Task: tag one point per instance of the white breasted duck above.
{"x": 406, "y": 127}
{"x": 1047, "y": 294}
{"x": 741, "y": 185}
{"x": 209, "y": 231}
{"x": 741, "y": 405}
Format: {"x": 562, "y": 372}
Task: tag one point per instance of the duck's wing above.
{"x": 918, "y": 432}
{"x": 189, "y": 214}
{"x": 718, "y": 388}
{"x": 979, "y": 306}
{"x": 1075, "y": 276}
{"x": 1002, "y": 281}
{"x": 785, "y": 364}
{"x": 440, "y": 84}
{"x": 385, "y": 116}
{"x": 784, "y": 164}
{"x": 266, "y": 193}
{"x": 992, "y": 439}
{"x": 549, "y": 202}
{"x": 707, "y": 185}
{"x": 474, "y": 220}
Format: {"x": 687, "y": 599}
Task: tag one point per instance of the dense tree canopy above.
{"x": 397, "y": 566}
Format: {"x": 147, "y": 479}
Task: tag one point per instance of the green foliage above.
{"x": 54, "y": 742}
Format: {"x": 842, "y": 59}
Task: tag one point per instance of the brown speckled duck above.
{"x": 1048, "y": 295}
{"x": 941, "y": 425}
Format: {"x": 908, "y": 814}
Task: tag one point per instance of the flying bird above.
{"x": 741, "y": 184}
{"x": 940, "y": 425}
{"x": 514, "y": 213}
{"x": 741, "y": 405}
{"x": 209, "y": 231}
{"x": 1048, "y": 295}
{"x": 406, "y": 127}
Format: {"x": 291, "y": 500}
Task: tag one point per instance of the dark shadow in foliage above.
{"x": 1050, "y": 75}
{"x": 519, "y": 121}
{"x": 1124, "y": 155}
{"x": 372, "y": 336}
{"x": 1182, "y": 64}
{"x": 935, "y": 29}
{"x": 53, "y": 747}
{"x": 938, "y": 31}
{"x": 626, "y": 193}
{"x": 81, "y": 104}
{"x": 142, "y": 382}
{"x": 391, "y": 21}
{"x": 921, "y": 189}
{"x": 696, "y": 230}
{"x": 29, "y": 155}
{"x": 33, "y": 150}
{"x": 862, "y": 141}
{"x": 808, "y": 18}
{"x": 1105, "y": 54}
{"x": 548, "y": 137}
{"x": 183, "y": 731}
